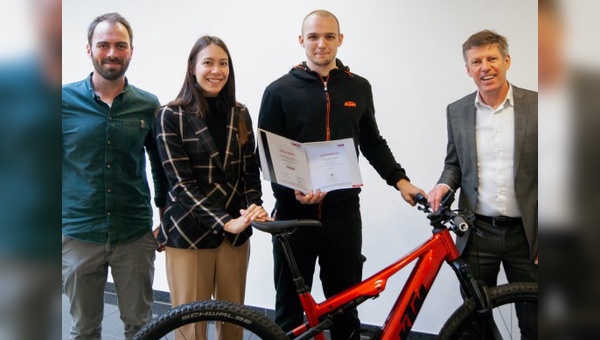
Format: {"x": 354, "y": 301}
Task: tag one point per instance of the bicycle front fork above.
{"x": 470, "y": 287}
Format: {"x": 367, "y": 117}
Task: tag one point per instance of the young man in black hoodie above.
{"x": 320, "y": 100}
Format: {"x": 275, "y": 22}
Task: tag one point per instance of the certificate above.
{"x": 327, "y": 166}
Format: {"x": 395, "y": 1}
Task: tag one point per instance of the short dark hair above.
{"x": 484, "y": 38}
{"x": 113, "y": 18}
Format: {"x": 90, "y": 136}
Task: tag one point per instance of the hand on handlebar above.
{"x": 436, "y": 194}
{"x": 461, "y": 220}
{"x": 409, "y": 191}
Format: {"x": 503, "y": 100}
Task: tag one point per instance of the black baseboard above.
{"x": 162, "y": 305}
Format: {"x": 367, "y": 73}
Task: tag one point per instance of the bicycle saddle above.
{"x": 275, "y": 227}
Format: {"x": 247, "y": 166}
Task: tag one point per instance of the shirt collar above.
{"x": 508, "y": 101}
{"x": 90, "y": 86}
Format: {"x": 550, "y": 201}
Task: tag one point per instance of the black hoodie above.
{"x": 305, "y": 107}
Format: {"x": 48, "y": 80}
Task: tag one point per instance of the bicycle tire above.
{"x": 212, "y": 310}
{"x": 500, "y": 297}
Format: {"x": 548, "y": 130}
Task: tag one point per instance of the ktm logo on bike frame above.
{"x": 350, "y": 104}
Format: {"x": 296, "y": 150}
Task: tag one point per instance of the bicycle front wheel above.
{"x": 208, "y": 319}
{"x": 507, "y": 301}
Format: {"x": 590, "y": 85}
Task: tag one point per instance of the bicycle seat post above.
{"x": 287, "y": 251}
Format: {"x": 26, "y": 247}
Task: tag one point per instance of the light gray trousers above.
{"x": 84, "y": 274}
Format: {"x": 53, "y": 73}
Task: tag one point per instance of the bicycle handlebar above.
{"x": 420, "y": 199}
{"x": 460, "y": 220}
{"x": 460, "y": 223}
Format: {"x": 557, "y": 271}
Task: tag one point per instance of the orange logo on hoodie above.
{"x": 350, "y": 104}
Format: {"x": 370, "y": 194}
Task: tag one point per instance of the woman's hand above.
{"x": 254, "y": 213}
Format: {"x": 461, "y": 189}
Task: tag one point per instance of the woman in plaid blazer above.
{"x": 207, "y": 148}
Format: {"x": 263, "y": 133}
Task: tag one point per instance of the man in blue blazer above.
{"x": 492, "y": 155}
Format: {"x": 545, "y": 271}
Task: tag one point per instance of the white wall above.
{"x": 409, "y": 50}
{"x": 16, "y": 15}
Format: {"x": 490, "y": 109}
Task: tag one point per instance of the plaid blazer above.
{"x": 201, "y": 186}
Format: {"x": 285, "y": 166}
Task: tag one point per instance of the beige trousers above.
{"x": 203, "y": 274}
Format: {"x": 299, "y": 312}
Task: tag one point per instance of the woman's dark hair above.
{"x": 190, "y": 96}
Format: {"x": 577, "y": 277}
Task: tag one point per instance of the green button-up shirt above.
{"x": 105, "y": 193}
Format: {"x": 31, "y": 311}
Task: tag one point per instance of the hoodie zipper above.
{"x": 328, "y": 111}
{"x": 327, "y": 128}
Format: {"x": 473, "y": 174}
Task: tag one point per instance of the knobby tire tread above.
{"x": 499, "y": 295}
{"x": 212, "y": 310}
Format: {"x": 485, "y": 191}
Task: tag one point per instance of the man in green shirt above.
{"x": 107, "y": 128}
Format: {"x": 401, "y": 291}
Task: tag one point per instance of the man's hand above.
{"x": 310, "y": 198}
{"x": 408, "y": 191}
{"x": 159, "y": 247}
{"x": 436, "y": 194}
{"x": 155, "y": 231}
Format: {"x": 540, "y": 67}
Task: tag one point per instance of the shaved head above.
{"x": 321, "y": 13}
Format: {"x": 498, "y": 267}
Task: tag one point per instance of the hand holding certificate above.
{"x": 326, "y": 166}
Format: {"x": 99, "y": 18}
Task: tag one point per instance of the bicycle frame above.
{"x": 430, "y": 254}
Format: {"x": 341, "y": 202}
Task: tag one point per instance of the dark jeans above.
{"x": 337, "y": 245}
{"x": 507, "y": 246}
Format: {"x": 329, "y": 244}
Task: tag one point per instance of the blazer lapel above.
{"x": 231, "y": 147}
{"x": 205, "y": 138}
{"x": 470, "y": 117}
{"x": 520, "y": 125}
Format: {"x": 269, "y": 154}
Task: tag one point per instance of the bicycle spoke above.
{"x": 507, "y": 315}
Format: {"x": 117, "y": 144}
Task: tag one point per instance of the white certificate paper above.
{"x": 327, "y": 166}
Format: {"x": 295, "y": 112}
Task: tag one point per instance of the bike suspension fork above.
{"x": 469, "y": 285}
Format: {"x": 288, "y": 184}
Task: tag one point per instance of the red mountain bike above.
{"x": 483, "y": 315}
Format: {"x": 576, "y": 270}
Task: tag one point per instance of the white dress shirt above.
{"x": 495, "y": 138}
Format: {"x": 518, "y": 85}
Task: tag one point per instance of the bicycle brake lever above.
{"x": 423, "y": 208}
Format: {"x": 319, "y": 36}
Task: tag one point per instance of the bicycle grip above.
{"x": 461, "y": 224}
{"x": 419, "y": 198}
